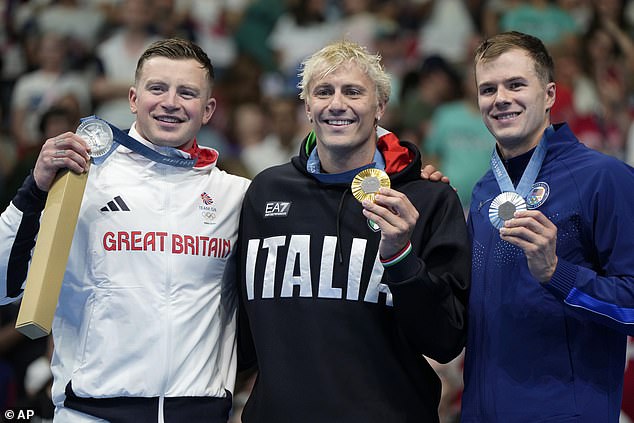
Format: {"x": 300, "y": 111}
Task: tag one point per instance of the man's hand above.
{"x": 430, "y": 172}
{"x": 65, "y": 151}
{"x": 531, "y": 231}
{"x": 395, "y": 215}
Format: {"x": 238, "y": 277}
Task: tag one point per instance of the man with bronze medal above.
{"x": 351, "y": 266}
{"x": 144, "y": 329}
{"x": 552, "y": 295}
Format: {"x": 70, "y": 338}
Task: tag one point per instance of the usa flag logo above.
{"x": 207, "y": 200}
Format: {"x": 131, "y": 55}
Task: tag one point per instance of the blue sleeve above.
{"x": 604, "y": 293}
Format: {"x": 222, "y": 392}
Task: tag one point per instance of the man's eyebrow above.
{"x": 150, "y": 81}
{"x": 353, "y": 85}
{"x": 505, "y": 80}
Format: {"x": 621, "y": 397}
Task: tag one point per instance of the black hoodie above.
{"x": 337, "y": 338}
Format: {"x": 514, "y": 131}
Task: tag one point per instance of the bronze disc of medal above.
{"x": 504, "y": 206}
{"x": 97, "y": 134}
{"x": 366, "y": 184}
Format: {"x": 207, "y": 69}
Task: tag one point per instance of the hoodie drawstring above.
{"x": 341, "y": 201}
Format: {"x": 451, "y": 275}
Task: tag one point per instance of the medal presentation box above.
{"x": 44, "y": 280}
{"x": 57, "y": 227}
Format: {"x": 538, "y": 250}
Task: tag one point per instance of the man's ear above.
{"x": 210, "y": 107}
{"x": 308, "y": 114}
{"x": 132, "y": 100}
{"x": 551, "y": 95}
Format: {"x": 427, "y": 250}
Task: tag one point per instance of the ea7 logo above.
{"x": 277, "y": 208}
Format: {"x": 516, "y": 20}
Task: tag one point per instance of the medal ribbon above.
{"x": 126, "y": 140}
{"x": 530, "y": 173}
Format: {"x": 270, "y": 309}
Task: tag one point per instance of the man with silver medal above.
{"x": 552, "y": 228}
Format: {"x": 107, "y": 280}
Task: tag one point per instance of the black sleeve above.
{"x": 30, "y": 200}
{"x": 247, "y": 358}
{"x": 430, "y": 286}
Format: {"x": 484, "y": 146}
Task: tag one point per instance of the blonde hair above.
{"x": 337, "y": 54}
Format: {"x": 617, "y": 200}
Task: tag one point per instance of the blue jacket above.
{"x": 554, "y": 352}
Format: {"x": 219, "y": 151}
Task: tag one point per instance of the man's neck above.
{"x": 508, "y": 151}
{"x": 331, "y": 162}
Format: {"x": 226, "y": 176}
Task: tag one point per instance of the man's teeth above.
{"x": 507, "y": 116}
{"x": 339, "y": 122}
{"x": 168, "y": 119}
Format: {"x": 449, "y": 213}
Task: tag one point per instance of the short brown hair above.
{"x": 496, "y": 45}
{"x": 176, "y": 48}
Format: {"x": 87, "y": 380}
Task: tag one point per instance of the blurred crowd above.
{"x": 64, "y": 59}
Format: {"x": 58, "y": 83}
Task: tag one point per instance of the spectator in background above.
{"x": 359, "y": 22}
{"x": 422, "y": 91}
{"x": 172, "y": 21}
{"x": 459, "y": 142}
{"x": 400, "y": 58}
{"x": 18, "y": 352}
{"x": 302, "y": 29}
{"x": 116, "y": 61}
{"x": 7, "y": 160}
{"x": 36, "y": 91}
{"x": 81, "y": 24}
{"x": 608, "y": 57}
{"x": 38, "y": 382}
{"x": 214, "y": 22}
{"x": 447, "y": 31}
{"x": 282, "y": 131}
{"x": 13, "y": 57}
{"x": 577, "y": 96}
{"x": 540, "y": 18}
{"x": 253, "y": 30}
{"x": 62, "y": 116}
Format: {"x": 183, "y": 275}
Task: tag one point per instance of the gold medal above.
{"x": 366, "y": 184}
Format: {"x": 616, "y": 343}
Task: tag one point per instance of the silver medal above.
{"x": 97, "y": 134}
{"x": 504, "y": 206}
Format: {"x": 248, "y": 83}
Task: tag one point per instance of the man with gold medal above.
{"x": 351, "y": 266}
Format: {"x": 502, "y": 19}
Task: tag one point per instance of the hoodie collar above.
{"x": 389, "y": 156}
{"x": 206, "y": 156}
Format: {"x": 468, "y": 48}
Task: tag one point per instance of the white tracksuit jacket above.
{"x": 146, "y": 309}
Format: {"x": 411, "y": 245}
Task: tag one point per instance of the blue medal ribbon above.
{"x": 530, "y": 173}
{"x": 126, "y": 140}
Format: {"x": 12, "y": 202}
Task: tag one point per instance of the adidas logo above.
{"x": 117, "y": 204}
